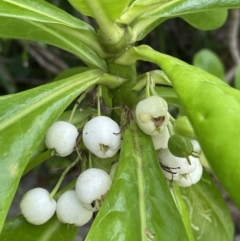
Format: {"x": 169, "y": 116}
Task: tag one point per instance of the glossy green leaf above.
{"x": 139, "y": 205}
{"x": 82, "y": 7}
{"x": 210, "y": 62}
{"x": 211, "y": 106}
{"x": 144, "y": 16}
{"x": 237, "y": 78}
{"x": 207, "y": 20}
{"x": 156, "y": 9}
{"x": 40, "y": 21}
{"x": 40, "y": 11}
{"x": 210, "y": 217}
{"x": 24, "y": 120}
{"x": 53, "y": 230}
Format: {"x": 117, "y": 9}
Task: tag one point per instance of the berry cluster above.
{"x": 178, "y": 155}
{"x": 178, "y": 158}
{"x": 101, "y": 135}
{"x": 72, "y": 207}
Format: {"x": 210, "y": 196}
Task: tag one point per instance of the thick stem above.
{"x": 124, "y": 95}
{"x": 112, "y": 36}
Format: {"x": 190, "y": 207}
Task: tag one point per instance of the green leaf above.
{"x": 39, "y": 11}
{"x": 156, "y": 9}
{"x": 207, "y": 60}
{"x": 210, "y": 217}
{"x": 237, "y": 78}
{"x": 211, "y": 106}
{"x": 139, "y": 205}
{"x": 207, "y": 20}
{"x": 19, "y": 229}
{"x": 40, "y": 21}
{"x": 24, "y": 120}
{"x": 146, "y": 15}
{"x": 82, "y": 7}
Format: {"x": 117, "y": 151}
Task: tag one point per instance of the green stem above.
{"x": 79, "y": 100}
{"x": 99, "y": 98}
{"x": 147, "y": 86}
{"x": 124, "y": 93}
{"x": 110, "y": 32}
{"x": 66, "y": 188}
{"x": 54, "y": 191}
{"x": 170, "y": 129}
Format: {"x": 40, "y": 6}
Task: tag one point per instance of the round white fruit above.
{"x": 102, "y": 137}
{"x": 152, "y": 115}
{"x": 69, "y": 209}
{"x": 160, "y": 141}
{"x": 191, "y": 178}
{"x": 37, "y": 206}
{"x": 61, "y": 136}
{"x": 92, "y": 184}
{"x": 179, "y": 164}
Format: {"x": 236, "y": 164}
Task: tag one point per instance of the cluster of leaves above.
{"x": 139, "y": 205}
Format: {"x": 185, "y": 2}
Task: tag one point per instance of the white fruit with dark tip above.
{"x": 102, "y": 137}
{"x": 191, "y": 178}
{"x": 37, "y": 206}
{"x": 160, "y": 141}
{"x": 152, "y": 115}
{"x": 61, "y": 136}
{"x": 92, "y": 184}
{"x": 69, "y": 210}
{"x": 179, "y": 164}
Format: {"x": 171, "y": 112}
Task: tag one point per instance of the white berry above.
{"x": 69, "y": 210}
{"x": 160, "y": 141}
{"x": 61, "y": 136}
{"x": 152, "y": 115}
{"x": 179, "y": 164}
{"x": 37, "y": 206}
{"x": 101, "y": 136}
{"x": 92, "y": 184}
{"x": 192, "y": 177}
